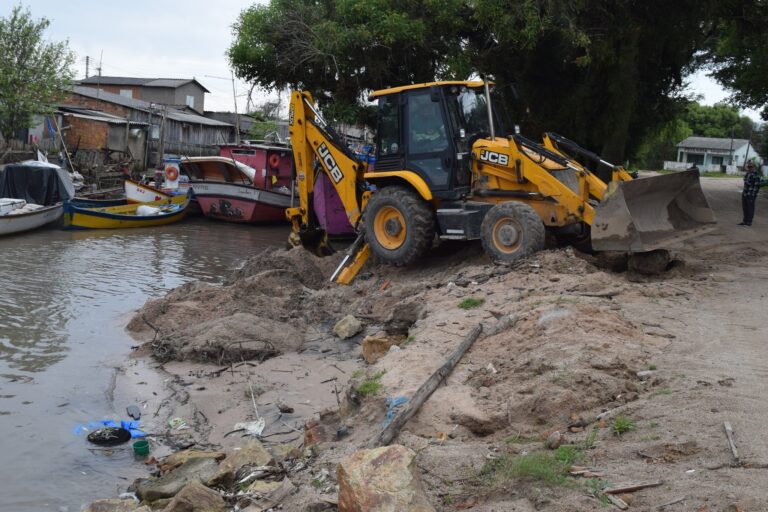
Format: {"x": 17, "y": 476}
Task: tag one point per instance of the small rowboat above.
{"x": 135, "y": 192}
{"x": 83, "y": 202}
{"x": 126, "y": 216}
{"x": 31, "y": 219}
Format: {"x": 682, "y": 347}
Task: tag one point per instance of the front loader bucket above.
{"x": 650, "y": 213}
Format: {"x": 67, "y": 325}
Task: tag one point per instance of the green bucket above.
{"x": 141, "y": 447}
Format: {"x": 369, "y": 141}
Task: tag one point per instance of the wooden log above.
{"x": 731, "y": 441}
{"x": 618, "y": 502}
{"x": 621, "y": 489}
{"x": 425, "y": 391}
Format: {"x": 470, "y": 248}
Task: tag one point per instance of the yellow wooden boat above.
{"x": 124, "y": 216}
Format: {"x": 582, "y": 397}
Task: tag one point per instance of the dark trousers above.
{"x": 748, "y": 205}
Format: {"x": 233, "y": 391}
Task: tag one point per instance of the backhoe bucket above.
{"x": 651, "y": 213}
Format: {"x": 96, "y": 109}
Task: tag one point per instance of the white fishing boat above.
{"x": 28, "y": 217}
{"x": 32, "y": 195}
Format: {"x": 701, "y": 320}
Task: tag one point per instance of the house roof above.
{"x": 712, "y": 143}
{"x": 173, "y": 83}
{"x": 145, "y": 106}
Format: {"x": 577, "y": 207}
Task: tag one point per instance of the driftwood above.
{"x": 425, "y": 391}
{"x": 618, "y": 502}
{"x": 621, "y": 489}
{"x": 731, "y": 441}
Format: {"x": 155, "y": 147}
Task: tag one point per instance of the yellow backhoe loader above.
{"x": 447, "y": 167}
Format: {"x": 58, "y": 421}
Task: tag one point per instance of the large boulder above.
{"x": 252, "y": 454}
{"x": 347, "y": 327}
{"x": 194, "y": 470}
{"x": 381, "y": 480}
{"x": 116, "y": 505}
{"x": 195, "y": 497}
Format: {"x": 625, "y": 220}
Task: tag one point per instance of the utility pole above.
{"x": 87, "y": 65}
{"x": 161, "y": 143}
{"x": 98, "y": 82}
{"x": 730, "y": 151}
{"x": 749, "y": 141}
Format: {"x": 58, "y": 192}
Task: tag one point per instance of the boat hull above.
{"x": 135, "y": 192}
{"x": 10, "y": 224}
{"x": 233, "y": 202}
{"x": 118, "y": 217}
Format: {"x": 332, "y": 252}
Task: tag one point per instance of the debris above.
{"x": 253, "y": 428}
{"x": 195, "y": 497}
{"x": 253, "y": 453}
{"x": 134, "y": 412}
{"x": 621, "y": 489}
{"x": 168, "y": 485}
{"x": 283, "y": 407}
{"x": 177, "y": 423}
{"x": 491, "y": 368}
{"x": 669, "y": 503}
{"x": 342, "y": 432}
{"x": 425, "y": 391}
{"x": 109, "y": 436}
{"x": 645, "y": 374}
{"x": 347, "y": 327}
{"x": 392, "y": 404}
{"x": 618, "y": 502}
{"x": 375, "y": 346}
{"x": 141, "y": 447}
{"x": 731, "y": 442}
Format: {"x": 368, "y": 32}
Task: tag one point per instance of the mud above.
{"x": 578, "y": 336}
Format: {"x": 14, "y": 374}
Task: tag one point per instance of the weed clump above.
{"x": 371, "y": 385}
{"x": 622, "y": 425}
{"x": 471, "y": 303}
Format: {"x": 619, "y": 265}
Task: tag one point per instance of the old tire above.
{"x": 399, "y": 225}
{"x": 511, "y": 231}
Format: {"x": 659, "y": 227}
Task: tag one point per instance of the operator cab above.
{"x": 429, "y": 129}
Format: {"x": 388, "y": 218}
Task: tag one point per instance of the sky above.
{"x": 183, "y": 39}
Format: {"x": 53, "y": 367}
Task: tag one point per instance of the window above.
{"x": 126, "y": 93}
{"x": 426, "y": 132}
{"x": 389, "y": 127}
{"x": 190, "y": 101}
{"x": 155, "y": 132}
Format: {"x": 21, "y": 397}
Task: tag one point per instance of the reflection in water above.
{"x": 64, "y": 300}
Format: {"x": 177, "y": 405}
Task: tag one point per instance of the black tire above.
{"x": 511, "y": 231}
{"x": 419, "y": 228}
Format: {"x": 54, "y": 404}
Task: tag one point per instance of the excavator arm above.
{"x": 317, "y": 148}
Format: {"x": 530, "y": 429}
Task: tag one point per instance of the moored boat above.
{"x": 125, "y": 216}
{"x": 31, "y": 195}
{"x": 230, "y": 190}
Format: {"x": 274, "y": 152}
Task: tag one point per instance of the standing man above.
{"x": 752, "y": 183}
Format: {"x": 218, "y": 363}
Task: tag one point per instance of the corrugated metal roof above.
{"x": 145, "y": 106}
{"x": 711, "y": 143}
{"x": 115, "y": 80}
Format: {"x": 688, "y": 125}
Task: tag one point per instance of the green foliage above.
{"x": 622, "y": 425}
{"x": 34, "y": 72}
{"x": 547, "y": 467}
{"x": 261, "y": 128}
{"x": 371, "y": 385}
{"x": 652, "y": 366}
{"x": 591, "y": 440}
{"x": 471, "y": 303}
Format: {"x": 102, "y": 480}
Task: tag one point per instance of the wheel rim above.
{"x": 389, "y": 228}
{"x": 507, "y": 235}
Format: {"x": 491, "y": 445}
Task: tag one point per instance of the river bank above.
{"x": 568, "y": 339}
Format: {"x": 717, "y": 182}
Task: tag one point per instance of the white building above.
{"x": 713, "y": 154}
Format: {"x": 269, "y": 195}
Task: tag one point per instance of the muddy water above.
{"x": 65, "y": 298}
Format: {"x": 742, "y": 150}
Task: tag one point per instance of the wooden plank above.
{"x": 731, "y": 441}
{"x": 618, "y": 502}
{"x": 621, "y": 489}
{"x": 425, "y": 391}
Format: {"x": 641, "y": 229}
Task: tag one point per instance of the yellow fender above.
{"x": 413, "y": 179}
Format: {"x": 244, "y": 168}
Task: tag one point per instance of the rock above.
{"x": 554, "y": 440}
{"x": 177, "y": 459}
{"x": 283, "y": 452}
{"x": 283, "y": 407}
{"x": 650, "y": 263}
{"x": 381, "y": 480}
{"x": 195, "y": 497}
{"x": 116, "y": 505}
{"x": 645, "y": 374}
{"x": 194, "y": 470}
{"x": 252, "y": 453}
{"x": 347, "y": 327}
{"x": 377, "y": 345}
{"x": 275, "y": 493}
{"x": 264, "y": 487}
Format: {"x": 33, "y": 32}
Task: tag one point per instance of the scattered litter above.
{"x": 128, "y": 496}
{"x": 392, "y": 404}
{"x": 491, "y": 368}
{"x": 252, "y": 428}
{"x": 134, "y": 412}
{"x": 106, "y": 432}
{"x": 394, "y": 348}
{"x": 690, "y": 471}
{"x": 177, "y": 423}
{"x": 441, "y": 437}
{"x": 342, "y": 432}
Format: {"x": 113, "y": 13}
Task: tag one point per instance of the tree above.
{"x": 738, "y": 53}
{"x": 719, "y": 120}
{"x": 604, "y": 73}
{"x": 33, "y": 73}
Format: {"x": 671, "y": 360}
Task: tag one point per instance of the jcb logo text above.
{"x": 330, "y": 163}
{"x": 494, "y": 158}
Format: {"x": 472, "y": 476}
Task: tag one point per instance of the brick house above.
{"x": 180, "y": 93}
